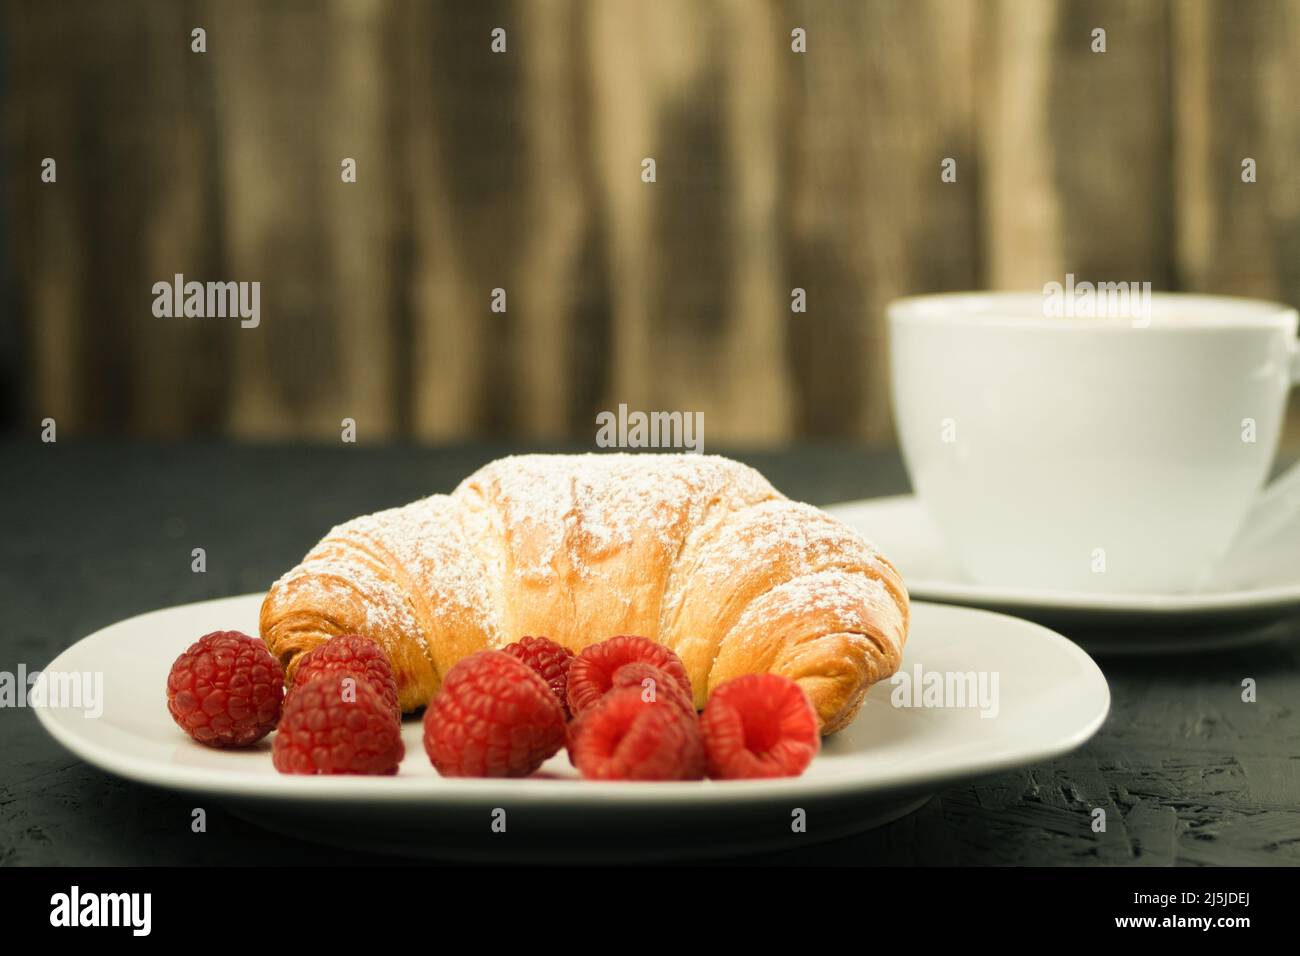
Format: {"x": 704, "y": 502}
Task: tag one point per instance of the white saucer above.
{"x": 1051, "y": 698}
{"x": 1233, "y": 613}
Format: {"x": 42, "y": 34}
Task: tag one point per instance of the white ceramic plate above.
{"x": 1051, "y": 698}
{"x": 1233, "y": 612}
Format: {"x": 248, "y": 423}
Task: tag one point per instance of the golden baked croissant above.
{"x": 699, "y": 553}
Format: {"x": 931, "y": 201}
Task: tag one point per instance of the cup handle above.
{"x": 1278, "y": 506}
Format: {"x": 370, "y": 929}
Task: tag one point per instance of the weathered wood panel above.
{"x": 522, "y": 171}
{"x": 1076, "y": 143}
{"x": 882, "y": 97}
{"x": 1237, "y": 82}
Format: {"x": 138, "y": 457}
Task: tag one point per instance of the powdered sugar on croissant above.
{"x": 699, "y": 553}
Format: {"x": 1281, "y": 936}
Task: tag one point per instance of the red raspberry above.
{"x": 550, "y": 660}
{"x": 334, "y": 725}
{"x": 638, "y": 673}
{"x": 759, "y": 725}
{"x": 494, "y": 717}
{"x": 226, "y": 690}
{"x": 349, "y": 655}
{"x": 592, "y": 671}
{"x": 623, "y": 737}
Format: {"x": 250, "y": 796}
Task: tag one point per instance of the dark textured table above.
{"x": 95, "y": 532}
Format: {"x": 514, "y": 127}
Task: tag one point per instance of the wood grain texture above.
{"x": 869, "y": 217}
{"x": 775, "y": 170}
{"x": 1237, "y": 237}
{"x": 1077, "y": 143}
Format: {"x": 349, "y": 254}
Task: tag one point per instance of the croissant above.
{"x": 698, "y": 553}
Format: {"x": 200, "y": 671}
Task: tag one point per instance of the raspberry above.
{"x": 349, "y": 655}
{"x": 592, "y": 672}
{"x": 548, "y": 659}
{"x": 638, "y": 673}
{"x": 333, "y": 725}
{"x": 494, "y": 717}
{"x": 759, "y": 725}
{"x": 226, "y": 690}
{"x": 623, "y": 737}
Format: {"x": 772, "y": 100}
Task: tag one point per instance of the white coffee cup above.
{"x": 1121, "y": 453}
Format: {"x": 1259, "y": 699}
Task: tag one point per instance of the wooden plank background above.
{"x": 522, "y": 171}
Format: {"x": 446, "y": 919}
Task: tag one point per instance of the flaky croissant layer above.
{"x": 699, "y": 553}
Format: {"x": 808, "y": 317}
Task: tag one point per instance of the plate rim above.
{"x": 543, "y": 792}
